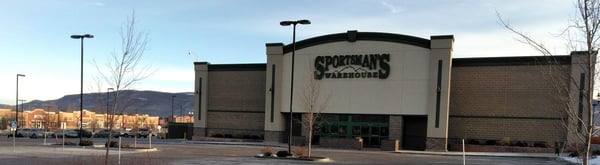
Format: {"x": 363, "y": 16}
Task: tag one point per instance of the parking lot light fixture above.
{"x": 294, "y": 23}
{"x": 81, "y": 37}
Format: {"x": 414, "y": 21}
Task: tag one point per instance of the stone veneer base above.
{"x": 436, "y": 144}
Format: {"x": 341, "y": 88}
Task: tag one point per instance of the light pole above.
{"x": 172, "y": 108}
{"x": 81, "y": 37}
{"x": 190, "y": 119}
{"x": 47, "y": 122}
{"x": 294, "y": 23}
{"x": 17, "y": 103}
{"x": 181, "y": 111}
{"x": 107, "y": 104}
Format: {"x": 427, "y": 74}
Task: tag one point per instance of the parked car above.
{"x": 67, "y": 133}
{"x": 141, "y": 132}
{"x": 84, "y": 133}
{"x": 28, "y": 132}
{"x": 126, "y": 133}
{"x": 145, "y": 132}
{"x": 37, "y": 133}
{"x": 5, "y": 133}
{"x": 105, "y": 133}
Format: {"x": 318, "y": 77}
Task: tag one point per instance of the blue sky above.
{"x": 34, "y": 34}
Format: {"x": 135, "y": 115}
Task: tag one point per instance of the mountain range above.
{"x": 153, "y": 103}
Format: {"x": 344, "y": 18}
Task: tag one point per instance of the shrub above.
{"x": 69, "y": 143}
{"x": 86, "y": 142}
{"x": 521, "y": 144}
{"x": 505, "y": 141}
{"x": 268, "y": 151}
{"x": 112, "y": 144}
{"x": 282, "y": 153}
{"x": 236, "y": 136}
{"x": 490, "y": 142}
{"x": 473, "y": 141}
{"x": 126, "y": 144}
{"x": 551, "y": 144}
{"x": 301, "y": 151}
{"x": 574, "y": 154}
{"x": 540, "y": 144}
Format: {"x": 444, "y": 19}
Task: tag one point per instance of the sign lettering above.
{"x": 352, "y": 66}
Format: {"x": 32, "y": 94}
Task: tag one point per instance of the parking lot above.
{"x": 169, "y": 151}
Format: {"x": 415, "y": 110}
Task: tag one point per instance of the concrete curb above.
{"x": 316, "y": 159}
{"x": 233, "y": 143}
{"x": 101, "y": 147}
{"x": 127, "y": 149}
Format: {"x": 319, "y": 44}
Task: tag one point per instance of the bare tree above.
{"x": 123, "y": 70}
{"x": 581, "y": 34}
{"x": 314, "y": 105}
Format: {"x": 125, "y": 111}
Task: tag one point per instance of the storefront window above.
{"x": 334, "y": 129}
{"x": 355, "y": 131}
{"x": 342, "y": 131}
{"x": 371, "y": 128}
{"x": 384, "y": 131}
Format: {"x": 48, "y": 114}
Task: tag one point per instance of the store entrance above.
{"x": 414, "y": 132}
{"x": 371, "y": 133}
{"x": 371, "y": 128}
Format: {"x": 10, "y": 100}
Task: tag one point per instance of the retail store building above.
{"x": 382, "y": 87}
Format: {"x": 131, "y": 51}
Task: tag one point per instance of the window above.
{"x": 351, "y": 126}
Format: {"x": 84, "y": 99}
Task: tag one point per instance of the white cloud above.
{"x": 98, "y": 4}
{"x": 393, "y": 9}
{"x": 95, "y": 4}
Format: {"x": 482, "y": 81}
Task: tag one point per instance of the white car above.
{"x": 37, "y": 133}
{"x": 67, "y": 133}
{"x": 29, "y": 132}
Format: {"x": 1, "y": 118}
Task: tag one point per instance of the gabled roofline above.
{"x": 353, "y": 36}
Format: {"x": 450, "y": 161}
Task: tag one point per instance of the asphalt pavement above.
{"x": 179, "y": 151}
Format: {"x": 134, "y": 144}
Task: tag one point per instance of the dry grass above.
{"x": 505, "y": 141}
{"x": 300, "y": 151}
{"x": 268, "y": 151}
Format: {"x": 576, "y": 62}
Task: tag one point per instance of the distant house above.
{"x": 39, "y": 118}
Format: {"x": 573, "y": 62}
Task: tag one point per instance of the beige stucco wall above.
{"x": 405, "y": 91}
{"x": 200, "y": 91}
{"x": 410, "y": 88}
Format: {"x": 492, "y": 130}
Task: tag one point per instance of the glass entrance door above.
{"x": 371, "y": 133}
{"x": 371, "y": 128}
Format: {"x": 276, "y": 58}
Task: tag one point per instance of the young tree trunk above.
{"x": 122, "y": 71}
{"x": 587, "y": 25}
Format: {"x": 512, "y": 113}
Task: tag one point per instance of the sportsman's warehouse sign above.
{"x": 352, "y": 66}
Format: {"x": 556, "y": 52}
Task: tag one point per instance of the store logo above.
{"x": 352, "y": 66}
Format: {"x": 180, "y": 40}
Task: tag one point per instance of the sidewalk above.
{"x": 495, "y": 154}
{"x": 449, "y": 153}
